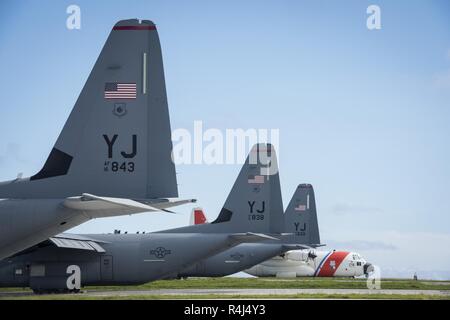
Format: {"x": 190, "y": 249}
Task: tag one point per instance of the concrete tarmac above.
{"x": 243, "y": 292}
{"x": 256, "y": 292}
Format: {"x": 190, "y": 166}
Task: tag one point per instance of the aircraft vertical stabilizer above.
{"x": 301, "y": 217}
{"x": 197, "y": 217}
{"x": 254, "y": 203}
{"x": 117, "y": 140}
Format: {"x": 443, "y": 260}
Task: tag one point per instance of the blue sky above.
{"x": 363, "y": 115}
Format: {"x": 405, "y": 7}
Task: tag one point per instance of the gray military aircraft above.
{"x": 301, "y": 230}
{"x": 113, "y": 156}
{"x": 64, "y": 262}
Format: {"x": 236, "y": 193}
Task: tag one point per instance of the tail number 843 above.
{"x": 115, "y": 166}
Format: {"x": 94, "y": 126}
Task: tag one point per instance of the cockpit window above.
{"x": 356, "y": 257}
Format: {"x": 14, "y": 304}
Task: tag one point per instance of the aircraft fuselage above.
{"x": 128, "y": 259}
{"x": 234, "y": 260}
{"x": 26, "y": 222}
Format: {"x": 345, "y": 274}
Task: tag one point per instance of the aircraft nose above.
{"x": 368, "y": 268}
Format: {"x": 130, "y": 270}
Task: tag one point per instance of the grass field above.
{"x": 273, "y": 283}
{"x": 255, "y": 283}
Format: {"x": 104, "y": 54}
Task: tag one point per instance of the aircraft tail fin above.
{"x": 254, "y": 203}
{"x": 197, "y": 217}
{"x": 117, "y": 139}
{"x": 301, "y": 217}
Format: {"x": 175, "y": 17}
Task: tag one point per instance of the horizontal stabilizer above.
{"x": 171, "y": 202}
{"x": 114, "y": 202}
{"x": 97, "y": 207}
{"x": 88, "y": 202}
{"x": 248, "y": 237}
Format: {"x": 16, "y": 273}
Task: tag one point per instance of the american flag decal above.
{"x": 300, "y": 207}
{"x": 115, "y": 90}
{"x": 256, "y": 179}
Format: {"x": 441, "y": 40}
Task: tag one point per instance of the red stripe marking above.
{"x": 135, "y": 28}
{"x": 328, "y": 269}
{"x": 199, "y": 217}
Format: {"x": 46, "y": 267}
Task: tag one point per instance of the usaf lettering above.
{"x": 110, "y": 142}
{"x": 120, "y": 166}
{"x": 300, "y": 231}
{"x": 260, "y": 210}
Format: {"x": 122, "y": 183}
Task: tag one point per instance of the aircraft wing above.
{"x": 97, "y": 206}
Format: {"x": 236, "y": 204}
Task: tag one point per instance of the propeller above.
{"x": 311, "y": 255}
